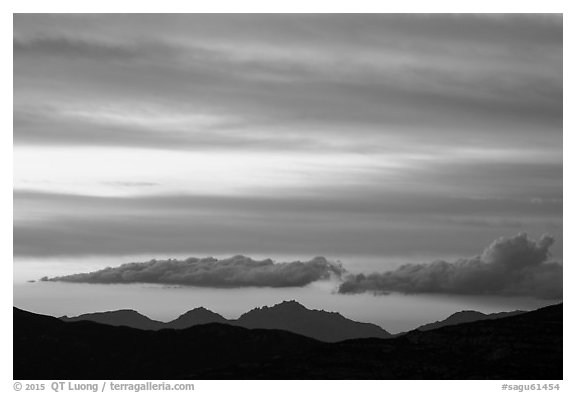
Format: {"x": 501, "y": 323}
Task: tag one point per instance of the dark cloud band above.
{"x": 238, "y": 271}
{"x": 515, "y": 266}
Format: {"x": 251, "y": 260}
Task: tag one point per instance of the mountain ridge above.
{"x": 319, "y": 324}
{"x": 288, "y": 315}
{"x": 524, "y": 346}
{"x": 123, "y": 317}
{"x": 467, "y": 316}
{"x": 196, "y": 316}
{"x": 278, "y": 317}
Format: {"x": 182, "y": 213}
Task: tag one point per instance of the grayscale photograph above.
{"x": 288, "y": 196}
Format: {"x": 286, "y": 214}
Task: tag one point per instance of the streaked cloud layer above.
{"x": 337, "y": 223}
{"x": 190, "y": 81}
{"x": 315, "y": 134}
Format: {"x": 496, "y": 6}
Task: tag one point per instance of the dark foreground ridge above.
{"x": 289, "y": 315}
{"x": 525, "y": 346}
{"x": 466, "y": 317}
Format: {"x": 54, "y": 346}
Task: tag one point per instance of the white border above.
{"x": 295, "y": 6}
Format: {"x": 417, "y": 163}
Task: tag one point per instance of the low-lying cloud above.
{"x": 516, "y": 266}
{"x": 238, "y": 271}
{"x": 510, "y": 266}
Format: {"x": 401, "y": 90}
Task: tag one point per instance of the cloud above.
{"x": 72, "y": 48}
{"x": 515, "y": 266}
{"x": 131, "y": 183}
{"x": 293, "y": 76}
{"x": 238, "y": 271}
{"x": 47, "y": 127}
{"x": 333, "y": 224}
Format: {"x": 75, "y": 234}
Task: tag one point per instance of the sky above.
{"x": 373, "y": 141}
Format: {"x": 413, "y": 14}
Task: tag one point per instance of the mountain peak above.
{"x": 319, "y": 324}
{"x": 198, "y": 311}
{"x": 196, "y": 316}
{"x": 290, "y": 304}
{"x": 470, "y": 313}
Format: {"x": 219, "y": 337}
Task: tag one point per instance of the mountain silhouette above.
{"x": 197, "y": 316}
{"x": 524, "y": 346}
{"x": 49, "y": 347}
{"x": 467, "y": 316}
{"x": 318, "y": 324}
{"x": 290, "y": 316}
{"x": 129, "y": 318}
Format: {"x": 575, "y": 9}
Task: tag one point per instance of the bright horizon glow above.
{"x": 97, "y": 171}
